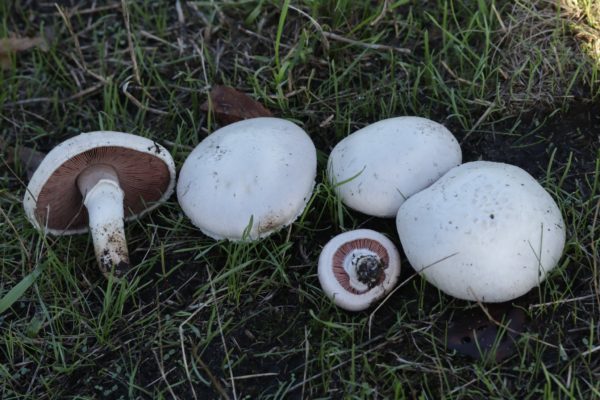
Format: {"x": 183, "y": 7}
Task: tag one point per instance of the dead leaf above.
{"x": 27, "y": 158}
{"x": 12, "y": 45}
{"x": 472, "y": 333}
{"x": 30, "y": 159}
{"x": 230, "y": 105}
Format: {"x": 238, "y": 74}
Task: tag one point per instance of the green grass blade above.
{"x": 18, "y": 290}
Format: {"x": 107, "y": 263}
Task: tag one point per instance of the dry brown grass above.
{"x": 542, "y": 55}
{"x": 584, "y": 22}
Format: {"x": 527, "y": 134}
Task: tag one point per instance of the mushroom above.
{"x": 485, "y": 231}
{"x": 115, "y": 175}
{"x": 357, "y": 268}
{"x": 248, "y": 179}
{"x": 375, "y": 169}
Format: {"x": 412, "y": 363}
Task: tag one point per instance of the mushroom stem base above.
{"x": 369, "y": 270}
{"x": 104, "y": 203}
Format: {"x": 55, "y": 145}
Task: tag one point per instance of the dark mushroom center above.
{"x": 368, "y": 269}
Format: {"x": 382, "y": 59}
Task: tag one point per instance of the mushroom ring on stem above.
{"x": 95, "y": 181}
{"x": 358, "y": 268}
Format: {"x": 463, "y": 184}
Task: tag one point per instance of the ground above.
{"x": 516, "y": 83}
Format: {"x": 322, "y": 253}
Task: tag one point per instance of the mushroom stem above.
{"x": 103, "y": 198}
{"x": 368, "y": 270}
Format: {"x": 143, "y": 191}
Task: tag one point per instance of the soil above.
{"x": 275, "y": 325}
{"x": 530, "y": 140}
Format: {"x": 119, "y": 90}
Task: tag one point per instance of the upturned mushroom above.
{"x": 375, "y": 169}
{"x": 248, "y": 179}
{"x": 485, "y": 231}
{"x": 94, "y": 181}
{"x": 357, "y": 268}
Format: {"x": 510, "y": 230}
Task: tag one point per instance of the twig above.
{"x": 261, "y": 37}
{"x": 502, "y": 25}
{"x": 90, "y": 72}
{"x": 35, "y": 374}
{"x": 181, "y": 340}
{"x": 553, "y": 303}
{"x": 386, "y": 299}
{"x": 480, "y": 120}
{"x": 212, "y": 378}
{"x": 373, "y": 46}
{"x": 315, "y": 24}
{"x": 81, "y": 63}
{"x": 67, "y": 21}
{"x": 253, "y": 376}
{"x": 454, "y": 75}
{"x": 136, "y": 70}
{"x": 158, "y": 39}
{"x": 306, "y": 354}
{"x": 139, "y": 103}
{"x": 28, "y": 101}
{"x": 154, "y": 382}
{"x": 200, "y": 52}
{"x": 178, "y": 145}
{"x": 179, "y": 10}
{"x": 92, "y": 10}
{"x": 384, "y": 10}
{"x": 595, "y": 254}
{"x": 163, "y": 375}
{"x": 417, "y": 366}
{"x": 212, "y": 288}
{"x": 326, "y": 121}
{"x": 590, "y": 351}
{"x": 75, "y": 96}
{"x": 84, "y": 92}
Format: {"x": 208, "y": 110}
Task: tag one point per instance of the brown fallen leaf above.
{"x": 230, "y": 105}
{"x": 27, "y": 158}
{"x": 471, "y": 333}
{"x": 12, "y": 45}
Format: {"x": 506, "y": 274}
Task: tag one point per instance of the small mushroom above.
{"x": 358, "y": 268}
{"x": 248, "y": 179}
{"x": 96, "y": 180}
{"x": 375, "y": 169}
{"x": 485, "y": 231}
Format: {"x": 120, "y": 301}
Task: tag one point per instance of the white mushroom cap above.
{"x": 358, "y": 268}
{"x": 145, "y": 170}
{"x": 381, "y": 165}
{"x": 259, "y": 171}
{"x": 485, "y": 231}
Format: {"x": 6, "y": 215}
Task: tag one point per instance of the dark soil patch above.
{"x": 266, "y": 343}
{"x": 529, "y": 141}
{"x": 269, "y": 329}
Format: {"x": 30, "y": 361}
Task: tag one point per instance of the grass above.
{"x": 514, "y": 82}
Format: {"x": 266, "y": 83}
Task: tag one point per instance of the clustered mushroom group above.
{"x": 481, "y": 231}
